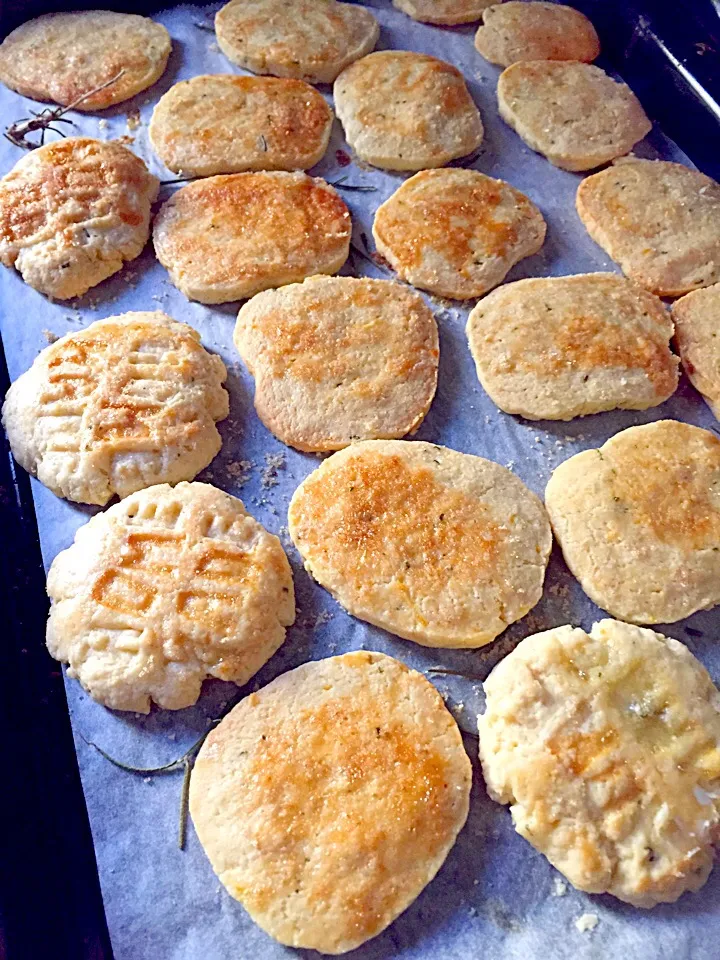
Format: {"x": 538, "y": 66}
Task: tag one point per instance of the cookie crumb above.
{"x": 560, "y": 888}
{"x": 273, "y": 463}
{"x": 50, "y": 336}
{"x": 587, "y": 922}
{"x": 240, "y": 471}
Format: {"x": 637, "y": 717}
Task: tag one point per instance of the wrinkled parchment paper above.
{"x": 495, "y": 897}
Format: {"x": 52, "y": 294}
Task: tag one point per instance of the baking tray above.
{"x": 494, "y": 894}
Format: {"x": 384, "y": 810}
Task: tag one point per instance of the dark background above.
{"x": 50, "y": 903}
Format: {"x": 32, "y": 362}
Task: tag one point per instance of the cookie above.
{"x": 166, "y": 588}
{"x": 606, "y": 746}
{"x": 697, "y": 333}
{"x": 73, "y": 212}
{"x": 443, "y": 11}
{"x": 573, "y": 113}
{"x": 308, "y": 40}
{"x": 436, "y": 546}
{"x": 338, "y": 359}
{"x": 227, "y": 124}
{"x": 126, "y": 403}
{"x": 229, "y": 237}
{"x": 406, "y": 111}
{"x": 59, "y": 57}
{"x": 639, "y": 521}
{"x": 457, "y": 232}
{"x": 329, "y": 799}
{"x": 564, "y": 347}
{"x": 659, "y": 221}
{"x": 516, "y": 31}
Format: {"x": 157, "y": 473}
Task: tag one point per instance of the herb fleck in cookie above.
{"x": 515, "y": 31}
{"x": 697, "y": 332}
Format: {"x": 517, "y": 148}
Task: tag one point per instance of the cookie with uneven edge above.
{"x": 564, "y": 347}
{"x": 573, "y": 113}
{"x": 229, "y": 237}
{"x": 638, "y": 521}
{"x": 227, "y": 124}
{"x": 515, "y": 31}
{"x": 166, "y": 588}
{"x": 433, "y": 545}
{"x": 310, "y": 40}
{"x": 73, "y": 212}
{"x": 339, "y": 359}
{"x": 606, "y": 747}
{"x": 406, "y": 111}
{"x": 59, "y": 57}
{"x": 697, "y": 333}
{"x": 457, "y": 232}
{"x": 447, "y": 12}
{"x": 127, "y": 402}
{"x": 328, "y": 800}
{"x": 659, "y": 221}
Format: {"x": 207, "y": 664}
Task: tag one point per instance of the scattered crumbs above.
{"x": 132, "y": 119}
{"x": 273, "y": 463}
{"x": 472, "y": 911}
{"x": 560, "y": 590}
{"x": 102, "y": 124}
{"x": 560, "y": 888}
{"x": 510, "y": 464}
{"x": 323, "y": 617}
{"x": 125, "y": 139}
{"x": 476, "y": 882}
{"x": 587, "y": 922}
{"x": 50, "y": 336}
{"x": 147, "y": 779}
{"x": 160, "y": 298}
{"x": 239, "y": 471}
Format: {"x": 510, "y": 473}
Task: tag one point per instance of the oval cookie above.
{"x": 697, "y": 333}
{"x": 436, "y": 546}
{"x": 443, "y": 11}
{"x": 516, "y": 31}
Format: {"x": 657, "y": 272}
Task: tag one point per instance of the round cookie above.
{"x": 166, "y": 588}
{"x": 564, "y": 347}
{"x": 338, "y": 359}
{"x": 436, "y": 546}
{"x": 659, "y": 221}
{"x": 606, "y": 746}
{"x": 639, "y": 521}
{"x": 516, "y": 31}
{"x": 697, "y": 333}
{"x": 447, "y": 12}
{"x": 126, "y": 403}
{"x": 226, "y": 124}
{"x": 406, "y": 111}
{"x": 309, "y": 40}
{"x": 229, "y": 237}
{"x": 329, "y": 799}
{"x": 73, "y": 212}
{"x": 59, "y": 57}
{"x": 573, "y": 113}
{"x": 457, "y": 232}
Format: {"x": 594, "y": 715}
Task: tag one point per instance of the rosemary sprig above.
{"x": 454, "y": 673}
{"x": 165, "y": 183}
{"x": 357, "y": 187}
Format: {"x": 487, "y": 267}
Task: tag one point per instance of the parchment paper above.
{"x": 495, "y": 895}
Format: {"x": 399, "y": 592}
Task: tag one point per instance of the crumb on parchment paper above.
{"x": 50, "y": 336}
{"x": 273, "y": 463}
{"x": 587, "y": 922}
{"x": 560, "y": 888}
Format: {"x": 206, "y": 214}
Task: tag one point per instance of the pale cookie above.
{"x": 606, "y": 747}
{"x": 406, "y": 111}
{"x": 573, "y": 113}
{"x": 226, "y": 238}
{"x": 227, "y": 124}
{"x": 436, "y": 546}
{"x": 308, "y": 40}
{"x": 659, "y": 221}
{"x": 443, "y": 11}
{"x": 166, "y": 588}
{"x": 639, "y": 521}
{"x": 330, "y": 798}
{"x": 564, "y": 347}
{"x": 73, "y": 212}
{"x": 126, "y": 403}
{"x": 535, "y": 31}
{"x": 697, "y": 332}
{"x": 457, "y": 232}
{"x": 59, "y": 57}
{"x": 338, "y": 359}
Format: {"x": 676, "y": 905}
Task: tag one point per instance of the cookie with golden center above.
{"x": 128, "y": 402}
{"x": 436, "y": 546}
{"x": 447, "y": 12}
{"x": 227, "y": 124}
{"x": 638, "y": 521}
{"x": 229, "y": 237}
{"x": 310, "y": 40}
{"x": 59, "y": 57}
{"x": 168, "y": 587}
{"x": 339, "y": 359}
{"x": 564, "y": 347}
{"x": 573, "y": 113}
{"x": 515, "y": 31}
{"x": 697, "y": 334}
{"x": 457, "y": 232}
{"x": 659, "y": 221}
{"x": 606, "y": 747}
{"x": 329, "y": 799}
{"x": 406, "y": 111}
{"x": 73, "y": 212}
